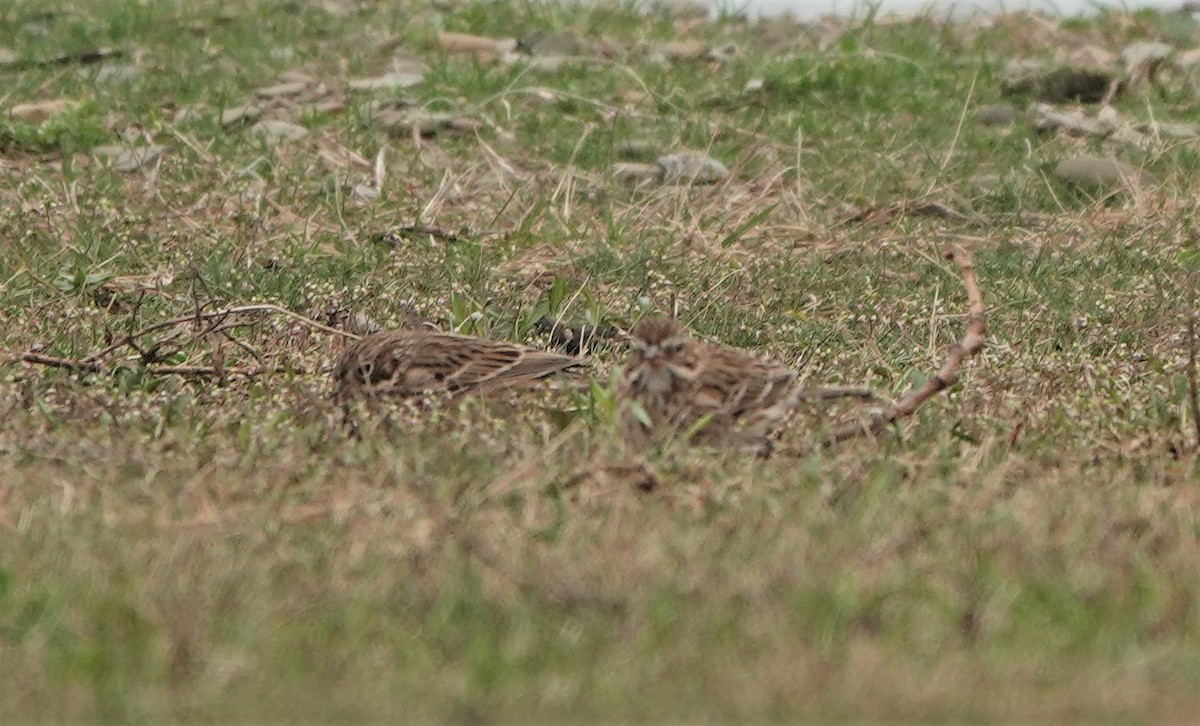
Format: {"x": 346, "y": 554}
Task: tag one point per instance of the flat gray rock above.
{"x": 365, "y": 191}
{"x": 1097, "y": 172}
{"x": 276, "y": 130}
{"x": 281, "y": 90}
{"x": 127, "y": 159}
{"x": 238, "y": 115}
{"x": 385, "y": 82}
{"x": 117, "y": 74}
{"x": 631, "y": 171}
{"x": 39, "y": 112}
{"x": 687, "y": 49}
{"x": 691, "y": 167}
{"x": 1145, "y": 52}
{"x": 554, "y": 44}
{"x": 996, "y": 114}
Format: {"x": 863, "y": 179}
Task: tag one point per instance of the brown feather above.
{"x": 679, "y": 383}
{"x": 402, "y": 363}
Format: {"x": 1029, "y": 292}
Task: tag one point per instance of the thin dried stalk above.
{"x": 1193, "y": 394}
{"x": 160, "y": 370}
{"x": 93, "y": 362}
{"x": 973, "y": 341}
{"x": 214, "y": 315}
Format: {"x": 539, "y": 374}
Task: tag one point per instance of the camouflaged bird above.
{"x": 407, "y": 363}
{"x": 712, "y": 394}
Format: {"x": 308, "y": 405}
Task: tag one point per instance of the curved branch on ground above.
{"x": 972, "y": 342}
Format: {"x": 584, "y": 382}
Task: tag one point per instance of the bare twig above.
{"x": 55, "y": 362}
{"x": 829, "y": 393}
{"x": 127, "y": 340}
{"x": 151, "y": 357}
{"x": 222, "y": 372}
{"x": 971, "y": 343}
{"x": 162, "y": 370}
{"x": 84, "y": 58}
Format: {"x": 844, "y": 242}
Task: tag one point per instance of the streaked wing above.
{"x": 408, "y": 362}
{"x": 744, "y": 383}
{"x": 478, "y": 363}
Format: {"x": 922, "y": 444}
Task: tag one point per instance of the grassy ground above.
{"x": 1024, "y": 548}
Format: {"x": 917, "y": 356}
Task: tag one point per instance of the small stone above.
{"x": 540, "y": 96}
{"x": 996, "y": 114}
{"x": 1188, "y": 58}
{"x": 554, "y": 44}
{"x": 1097, "y": 172}
{"x": 298, "y": 77}
{"x": 126, "y": 159}
{"x": 636, "y": 172}
{"x": 39, "y": 112}
{"x": 1142, "y": 61}
{"x": 135, "y": 159}
{"x": 117, "y": 74}
{"x": 386, "y": 82}
{"x": 188, "y": 114}
{"x": 276, "y": 130}
{"x": 1145, "y": 53}
{"x": 479, "y": 45}
{"x": 9, "y": 57}
{"x": 280, "y": 90}
{"x": 1108, "y": 116}
{"x": 328, "y": 105}
{"x": 365, "y": 191}
{"x": 691, "y": 167}
{"x": 240, "y": 115}
{"x": 690, "y": 49}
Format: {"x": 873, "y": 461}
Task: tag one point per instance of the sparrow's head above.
{"x": 657, "y": 337}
